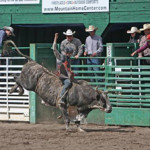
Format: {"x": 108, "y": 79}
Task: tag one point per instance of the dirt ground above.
{"x": 25, "y": 136}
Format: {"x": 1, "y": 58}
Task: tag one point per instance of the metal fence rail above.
{"x": 12, "y": 106}
{"x": 125, "y": 78}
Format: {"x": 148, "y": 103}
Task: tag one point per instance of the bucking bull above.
{"x": 35, "y": 77}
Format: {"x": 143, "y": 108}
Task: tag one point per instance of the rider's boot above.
{"x": 61, "y": 101}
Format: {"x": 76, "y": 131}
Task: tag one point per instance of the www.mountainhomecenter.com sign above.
{"x": 73, "y": 6}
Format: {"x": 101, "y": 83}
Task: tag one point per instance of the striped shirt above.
{"x": 94, "y": 45}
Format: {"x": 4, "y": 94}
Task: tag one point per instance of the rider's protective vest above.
{"x": 64, "y": 71}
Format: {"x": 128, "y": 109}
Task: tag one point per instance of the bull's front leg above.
{"x": 79, "y": 118}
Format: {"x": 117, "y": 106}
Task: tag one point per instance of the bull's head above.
{"x": 103, "y": 102}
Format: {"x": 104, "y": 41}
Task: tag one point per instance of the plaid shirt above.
{"x": 142, "y": 42}
{"x": 75, "y": 44}
{"x": 2, "y": 37}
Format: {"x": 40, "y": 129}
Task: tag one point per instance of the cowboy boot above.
{"x": 61, "y": 101}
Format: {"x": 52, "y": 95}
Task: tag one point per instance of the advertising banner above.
{"x": 9, "y": 2}
{"x": 74, "y": 6}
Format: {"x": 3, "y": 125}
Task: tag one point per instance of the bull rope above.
{"x": 47, "y": 71}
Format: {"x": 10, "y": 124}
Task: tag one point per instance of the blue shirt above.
{"x": 2, "y": 37}
{"x": 93, "y": 45}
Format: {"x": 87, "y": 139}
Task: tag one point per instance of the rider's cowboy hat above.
{"x": 91, "y": 28}
{"x": 69, "y": 32}
{"x": 145, "y": 27}
{"x": 134, "y": 30}
{"x": 9, "y": 29}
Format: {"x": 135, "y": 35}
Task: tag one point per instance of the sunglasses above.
{"x": 69, "y": 36}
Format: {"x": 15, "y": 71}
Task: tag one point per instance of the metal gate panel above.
{"x": 129, "y": 87}
{"x": 12, "y": 106}
{"x": 127, "y": 82}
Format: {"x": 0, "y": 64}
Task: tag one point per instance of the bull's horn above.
{"x": 106, "y": 92}
{"x": 95, "y": 106}
{"x": 97, "y": 89}
{"x": 100, "y": 91}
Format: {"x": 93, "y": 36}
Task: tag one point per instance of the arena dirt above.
{"x": 52, "y": 136}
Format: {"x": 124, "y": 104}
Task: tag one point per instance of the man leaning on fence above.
{"x": 93, "y": 48}
{"x": 5, "y": 33}
{"x": 73, "y": 43}
{"x": 143, "y": 41}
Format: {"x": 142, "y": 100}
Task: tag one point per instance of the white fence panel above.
{"x": 12, "y": 106}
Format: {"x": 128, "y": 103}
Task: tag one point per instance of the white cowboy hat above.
{"x": 145, "y": 27}
{"x": 134, "y": 30}
{"x": 91, "y": 28}
{"x": 10, "y": 29}
{"x": 69, "y": 32}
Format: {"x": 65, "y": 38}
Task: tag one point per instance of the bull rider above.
{"x": 64, "y": 71}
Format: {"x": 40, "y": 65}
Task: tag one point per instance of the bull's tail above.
{"x": 19, "y": 52}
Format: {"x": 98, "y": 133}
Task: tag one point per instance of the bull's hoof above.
{"x": 59, "y": 117}
{"x": 20, "y": 93}
{"x": 61, "y": 103}
{"x": 81, "y": 130}
{"x": 11, "y": 91}
{"x": 68, "y": 130}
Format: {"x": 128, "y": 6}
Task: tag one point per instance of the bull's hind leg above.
{"x": 66, "y": 117}
{"x": 17, "y": 85}
{"x": 21, "y": 90}
{"x": 14, "y": 88}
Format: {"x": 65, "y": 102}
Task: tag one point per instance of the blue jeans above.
{"x": 75, "y": 62}
{"x": 94, "y": 61}
{"x": 66, "y": 85}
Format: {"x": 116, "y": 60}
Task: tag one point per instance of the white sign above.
{"x": 74, "y": 6}
{"x": 109, "y": 54}
{"x": 8, "y": 2}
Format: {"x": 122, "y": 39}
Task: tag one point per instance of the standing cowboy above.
{"x": 73, "y": 43}
{"x": 145, "y": 46}
{"x": 134, "y": 32}
{"x": 146, "y": 52}
{"x": 65, "y": 73}
{"x": 93, "y": 48}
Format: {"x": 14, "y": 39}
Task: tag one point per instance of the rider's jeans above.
{"x": 67, "y": 84}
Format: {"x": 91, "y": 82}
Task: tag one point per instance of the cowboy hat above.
{"x": 69, "y": 32}
{"x": 145, "y": 27}
{"x": 91, "y": 28}
{"x": 134, "y": 30}
{"x": 9, "y": 29}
